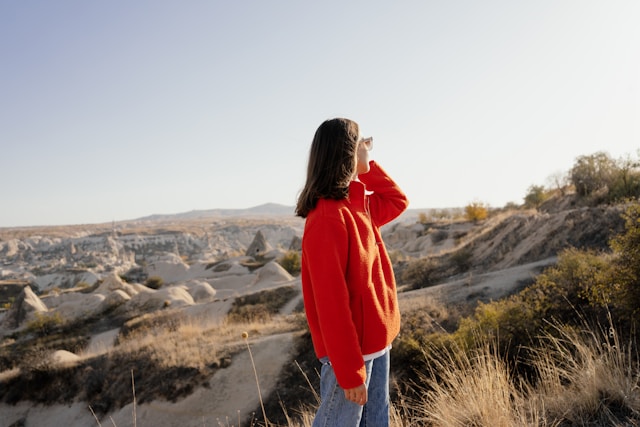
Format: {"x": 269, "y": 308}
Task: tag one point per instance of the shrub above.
{"x": 510, "y": 323}
{"x": 476, "y": 211}
{"x": 7, "y": 305}
{"x": 592, "y": 173}
{"x": 462, "y": 259}
{"x": 420, "y": 273}
{"x": 536, "y": 195}
{"x": 423, "y": 218}
{"x": 439, "y": 236}
{"x": 626, "y": 249}
{"x": 626, "y": 181}
{"x": 154, "y": 282}
{"x": 290, "y": 261}
{"x": 43, "y": 324}
{"x": 511, "y": 206}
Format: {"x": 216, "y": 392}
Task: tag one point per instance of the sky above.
{"x": 116, "y": 110}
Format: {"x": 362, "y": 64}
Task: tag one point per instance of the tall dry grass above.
{"x": 585, "y": 377}
{"x": 472, "y": 388}
{"x": 589, "y": 377}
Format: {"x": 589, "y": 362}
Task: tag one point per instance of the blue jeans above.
{"x": 336, "y": 411}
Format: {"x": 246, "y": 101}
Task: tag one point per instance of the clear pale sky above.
{"x": 114, "y": 110}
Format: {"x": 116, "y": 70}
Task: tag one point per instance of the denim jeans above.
{"x": 336, "y": 411}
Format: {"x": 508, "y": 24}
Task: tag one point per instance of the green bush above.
{"x": 45, "y": 323}
{"x": 420, "y": 273}
{"x": 607, "y": 179}
{"x": 626, "y": 263}
{"x": 291, "y": 262}
{"x": 154, "y": 282}
{"x": 592, "y": 173}
{"x": 462, "y": 259}
{"x": 439, "y": 236}
{"x": 536, "y": 195}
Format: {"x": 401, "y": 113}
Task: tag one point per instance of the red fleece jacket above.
{"x": 347, "y": 279}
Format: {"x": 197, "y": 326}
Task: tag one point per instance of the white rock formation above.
{"x": 170, "y": 268}
{"x": 23, "y": 309}
{"x": 200, "y": 291}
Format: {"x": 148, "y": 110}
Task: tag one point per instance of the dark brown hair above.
{"x": 332, "y": 164}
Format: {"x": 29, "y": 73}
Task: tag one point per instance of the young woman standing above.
{"x": 347, "y": 279}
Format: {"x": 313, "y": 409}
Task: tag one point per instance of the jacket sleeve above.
{"x": 325, "y": 249}
{"x": 388, "y": 201}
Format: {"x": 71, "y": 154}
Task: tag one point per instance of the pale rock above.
{"x": 201, "y": 270}
{"x": 113, "y": 282}
{"x": 231, "y": 267}
{"x": 200, "y": 291}
{"x": 65, "y": 280}
{"x": 12, "y": 247}
{"x": 74, "y": 305}
{"x": 24, "y": 308}
{"x": 259, "y": 246}
{"x": 274, "y": 273}
{"x": 171, "y": 269}
{"x": 63, "y": 357}
{"x": 32, "y": 302}
{"x": 114, "y": 299}
{"x": 172, "y": 296}
{"x": 233, "y": 286}
{"x": 273, "y": 254}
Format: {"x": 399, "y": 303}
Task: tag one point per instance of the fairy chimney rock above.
{"x": 26, "y": 303}
{"x": 259, "y": 246}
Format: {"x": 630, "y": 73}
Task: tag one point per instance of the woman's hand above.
{"x": 357, "y": 394}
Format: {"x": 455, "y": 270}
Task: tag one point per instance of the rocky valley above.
{"x": 101, "y": 280}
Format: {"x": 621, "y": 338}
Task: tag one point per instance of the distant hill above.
{"x": 267, "y": 209}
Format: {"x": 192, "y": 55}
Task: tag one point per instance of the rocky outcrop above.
{"x": 259, "y": 247}
{"x": 22, "y": 309}
{"x": 273, "y": 273}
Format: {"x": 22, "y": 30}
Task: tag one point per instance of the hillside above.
{"x": 93, "y": 279}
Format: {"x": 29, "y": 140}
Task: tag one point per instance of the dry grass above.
{"x": 588, "y": 376}
{"x": 474, "y": 389}
{"x": 428, "y": 304}
{"x": 197, "y": 342}
{"x": 584, "y": 377}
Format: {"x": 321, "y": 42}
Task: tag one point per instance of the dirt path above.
{"x": 295, "y": 301}
{"x": 483, "y": 287}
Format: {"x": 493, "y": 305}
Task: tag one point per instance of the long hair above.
{"x": 332, "y": 164}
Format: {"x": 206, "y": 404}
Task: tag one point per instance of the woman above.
{"x": 347, "y": 279}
